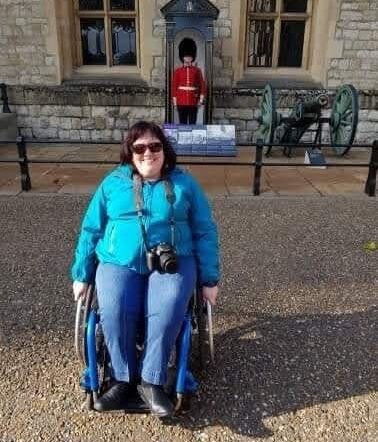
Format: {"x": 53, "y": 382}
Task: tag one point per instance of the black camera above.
{"x": 162, "y": 258}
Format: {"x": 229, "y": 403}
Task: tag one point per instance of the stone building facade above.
{"x": 57, "y": 96}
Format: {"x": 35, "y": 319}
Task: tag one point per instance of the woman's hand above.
{"x": 79, "y": 289}
{"x": 210, "y": 294}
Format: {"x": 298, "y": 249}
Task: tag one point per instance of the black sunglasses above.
{"x": 140, "y": 148}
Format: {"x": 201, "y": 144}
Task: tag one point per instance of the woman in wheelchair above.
{"x": 150, "y": 229}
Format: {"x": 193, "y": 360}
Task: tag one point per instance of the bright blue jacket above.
{"x": 111, "y": 231}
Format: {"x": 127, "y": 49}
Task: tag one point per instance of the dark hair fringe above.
{"x": 138, "y": 130}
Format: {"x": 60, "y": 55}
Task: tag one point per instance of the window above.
{"x": 278, "y": 33}
{"x": 107, "y": 32}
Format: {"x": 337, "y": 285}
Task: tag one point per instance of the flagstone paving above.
{"x": 229, "y": 180}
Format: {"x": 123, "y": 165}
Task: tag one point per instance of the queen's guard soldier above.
{"x": 188, "y": 86}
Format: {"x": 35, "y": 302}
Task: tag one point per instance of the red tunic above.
{"x": 187, "y": 85}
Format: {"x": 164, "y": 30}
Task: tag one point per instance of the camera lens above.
{"x": 167, "y": 258}
{"x": 170, "y": 265}
{"x": 168, "y": 262}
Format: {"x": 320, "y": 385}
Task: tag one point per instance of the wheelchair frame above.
{"x": 91, "y": 350}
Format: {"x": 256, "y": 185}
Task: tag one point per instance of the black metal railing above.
{"x": 257, "y": 164}
{"x": 4, "y": 98}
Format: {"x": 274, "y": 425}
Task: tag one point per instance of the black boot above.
{"x": 115, "y": 398}
{"x": 156, "y": 399}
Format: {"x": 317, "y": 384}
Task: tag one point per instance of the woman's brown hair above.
{"x": 138, "y": 130}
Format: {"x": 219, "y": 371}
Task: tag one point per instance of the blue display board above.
{"x": 207, "y": 140}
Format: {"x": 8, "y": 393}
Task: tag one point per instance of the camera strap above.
{"x": 171, "y": 200}
{"x": 138, "y": 184}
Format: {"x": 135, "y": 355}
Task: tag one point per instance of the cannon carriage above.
{"x": 306, "y": 117}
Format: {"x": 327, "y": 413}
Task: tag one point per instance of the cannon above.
{"x": 306, "y": 117}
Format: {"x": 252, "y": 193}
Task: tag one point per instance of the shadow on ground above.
{"x": 274, "y": 365}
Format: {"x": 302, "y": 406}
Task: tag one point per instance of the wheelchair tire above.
{"x": 204, "y": 321}
{"x": 103, "y": 362}
{"x": 90, "y": 398}
{"x": 83, "y": 308}
{"x": 89, "y": 401}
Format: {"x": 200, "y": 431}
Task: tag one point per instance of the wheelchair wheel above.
{"x": 103, "y": 361}
{"x": 90, "y": 398}
{"x": 204, "y": 320}
{"x": 82, "y": 311}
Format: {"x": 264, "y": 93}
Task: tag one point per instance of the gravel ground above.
{"x": 295, "y": 328}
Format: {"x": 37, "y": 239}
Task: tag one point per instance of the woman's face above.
{"x": 148, "y": 156}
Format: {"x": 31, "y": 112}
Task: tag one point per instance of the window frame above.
{"x": 278, "y": 17}
{"x": 107, "y": 14}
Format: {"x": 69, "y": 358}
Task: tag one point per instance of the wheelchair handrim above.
{"x": 210, "y": 330}
{"x": 78, "y": 316}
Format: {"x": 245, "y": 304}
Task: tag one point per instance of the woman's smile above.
{"x": 149, "y": 164}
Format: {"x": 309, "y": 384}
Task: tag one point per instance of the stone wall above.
{"x": 85, "y": 123}
{"x": 24, "y": 57}
{"x": 357, "y": 30}
{"x": 87, "y": 113}
{"x": 93, "y": 113}
{"x": 29, "y": 42}
{"x": 104, "y": 111}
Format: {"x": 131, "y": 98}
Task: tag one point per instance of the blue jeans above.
{"x": 129, "y": 301}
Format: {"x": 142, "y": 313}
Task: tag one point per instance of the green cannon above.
{"x": 306, "y": 116}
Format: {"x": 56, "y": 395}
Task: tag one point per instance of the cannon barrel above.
{"x": 323, "y": 100}
{"x": 304, "y": 114}
{"x": 310, "y": 108}
{"x": 307, "y": 109}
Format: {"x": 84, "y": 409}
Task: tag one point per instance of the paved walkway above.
{"x": 294, "y": 329}
{"x": 217, "y": 180}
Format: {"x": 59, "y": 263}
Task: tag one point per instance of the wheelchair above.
{"x": 196, "y": 334}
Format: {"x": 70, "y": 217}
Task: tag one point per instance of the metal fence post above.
{"x": 258, "y": 166}
{"x": 4, "y": 98}
{"x": 24, "y": 165}
{"x": 371, "y": 182}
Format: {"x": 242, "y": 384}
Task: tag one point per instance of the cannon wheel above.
{"x": 268, "y": 117}
{"x": 344, "y": 118}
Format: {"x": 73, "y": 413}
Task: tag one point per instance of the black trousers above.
{"x": 187, "y": 114}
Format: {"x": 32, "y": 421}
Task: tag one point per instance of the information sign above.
{"x": 207, "y": 140}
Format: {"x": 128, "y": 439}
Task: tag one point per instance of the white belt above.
{"x": 188, "y": 88}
